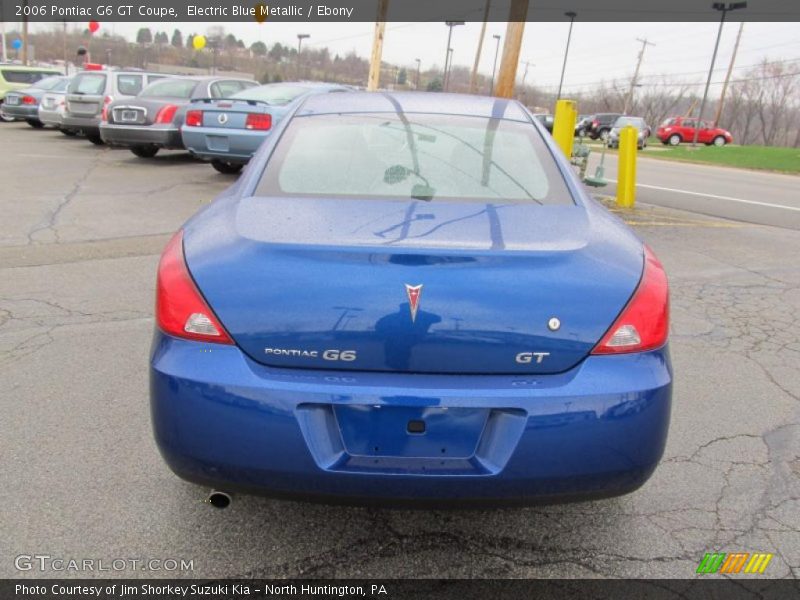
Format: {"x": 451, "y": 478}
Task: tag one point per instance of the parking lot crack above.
{"x": 51, "y": 220}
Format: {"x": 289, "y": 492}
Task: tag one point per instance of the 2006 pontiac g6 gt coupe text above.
{"x": 409, "y": 297}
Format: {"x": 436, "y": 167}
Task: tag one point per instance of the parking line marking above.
{"x": 755, "y": 202}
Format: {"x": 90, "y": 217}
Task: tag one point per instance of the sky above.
{"x": 598, "y": 51}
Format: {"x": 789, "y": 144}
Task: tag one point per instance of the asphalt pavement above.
{"x": 745, "y": 195}
{"x": 80, "y": 234}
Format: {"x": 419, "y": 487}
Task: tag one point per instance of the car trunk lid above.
{"x": 413, "y": 286}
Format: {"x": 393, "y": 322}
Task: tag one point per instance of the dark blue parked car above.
{"x": 411, "y": 298}
{"x": 228, "y": 131}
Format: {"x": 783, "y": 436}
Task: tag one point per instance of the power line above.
{"x": 602, "y": 81}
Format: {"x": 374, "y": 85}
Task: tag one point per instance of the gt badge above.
{"x": 413, "y": 292}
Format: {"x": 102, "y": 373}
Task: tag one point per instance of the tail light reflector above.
{"x": 181, "y": 310}
{"x": 258, "y": 121}
{"x": 194, "y": 118}
{"x": 165, "y": 114}
{"x": 644, "y": 323}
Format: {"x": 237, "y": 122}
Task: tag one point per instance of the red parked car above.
{"x": 681, "y": 129}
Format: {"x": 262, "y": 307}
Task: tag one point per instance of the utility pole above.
{"x": 473, "y": 80}
{"x": 512, "y": 46}
{"x": 3, "y": 40}
{"x": 64, "y": 48}
{"x": 718, "y": 116}
{"x": 374, "y": 79}
{"x": 723, "y": 8}
{"x": 419, "y": 64}
{"x": 25, "y": 35}
{"x": 527, "y": 64}
{"x": 571, "y": 14}
{"x": 629, "y": 97}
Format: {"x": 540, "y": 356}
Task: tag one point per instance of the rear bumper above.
{"x": 212, "y": 142}
{"x": 21, "y": 111}
{"x": 53, "y": 118}
{"x": 132, "y": 135}
{"x": 87, "y": 125}
{"x": 222, "y": 420}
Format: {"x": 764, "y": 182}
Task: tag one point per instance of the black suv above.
{"x": 601, "y": 124}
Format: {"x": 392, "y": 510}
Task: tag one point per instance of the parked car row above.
{"x": 222, "y": 120}
{"x": 15, "y": 78}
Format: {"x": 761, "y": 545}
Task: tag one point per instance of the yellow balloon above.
{"x": 199, "y": 42}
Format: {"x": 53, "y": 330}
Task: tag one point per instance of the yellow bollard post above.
{"x": 626, "y": 179}
{"x": 564, "y": 125}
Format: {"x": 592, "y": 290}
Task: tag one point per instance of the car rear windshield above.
{"x": 129, "y": 85}
{"x": 170, "y": 88}
{"x": 88, "y": 83}
{"x": 13, "y": 76}
{"x": 420, "y": 156}
{"x": 272, "y": 94}
{"x": 51, "y": 84}
{"x": 625, "y": 121}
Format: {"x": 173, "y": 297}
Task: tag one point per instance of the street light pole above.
{"x": 448, "y": 50}
{"x": 494, "y": 68}
{"x": 449, "y": 67}
{"x": 571, "y": 16}
{"x": 419, "y": 64}
{"x": 723, "y": 8}
{"x": 300, "y": 38}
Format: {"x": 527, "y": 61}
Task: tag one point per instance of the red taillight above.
{"x": 28, "y": 100}
{"x": 181, "y": 310}
{"x": 165, "y": 114}
{"x": 258, "y": 121}
{"x": 104, "y": 114}
{"x": 194, "y": 118}
{"x": 595, "y": 123}
{"x": 644, "y": 324}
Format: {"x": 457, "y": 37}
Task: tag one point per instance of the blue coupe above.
{"x": 228, "y": 131}
{"x": 409, "y": 297}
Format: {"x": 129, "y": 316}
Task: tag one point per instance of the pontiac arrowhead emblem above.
{"x": 413, "y": 292}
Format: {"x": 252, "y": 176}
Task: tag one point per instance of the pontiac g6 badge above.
{"x": 413, "y": 292}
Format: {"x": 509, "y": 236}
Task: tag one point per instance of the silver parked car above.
{"x": 90, "y": 92}
{"x": 53, "y": 106}
{"x": 153, "y": 119}
{"x": 24, "y": 104}
{"x": 643, "y": 131}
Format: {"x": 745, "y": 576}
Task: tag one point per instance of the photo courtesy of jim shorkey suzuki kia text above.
{"x": 194, "y": 590}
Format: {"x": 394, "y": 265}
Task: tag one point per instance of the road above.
{"x": 80, "y": 235}
{"x": 750, "y": 196}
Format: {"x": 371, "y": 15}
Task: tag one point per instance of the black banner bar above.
{"x": 264, "y": 11}
{"x": 702, "y": 588}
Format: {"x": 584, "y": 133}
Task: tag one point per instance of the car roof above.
{"x": 415, "y": 102}
{"x": 202, "y": 78}
{"x": 13, "y": 67}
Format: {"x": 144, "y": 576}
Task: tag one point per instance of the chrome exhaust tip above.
{"x": 219, "y": 499}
